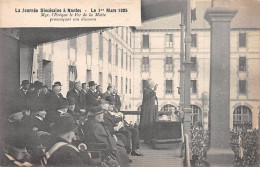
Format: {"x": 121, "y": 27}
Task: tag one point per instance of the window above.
{"x": 122, "y": 58}
{"x": 72, "y": 76}
{"x": 122, "y": 86}
{"x": 126, "y": 39}
{"x": 144, "y": 84}
{"x": 116, "y": 55}
{"x": 196, "y": 114}
{"x": 193, "y": 40}
{"x": 139, "y": 108}
{"x": 242, "y": 63}
{"x": 100, "y": 79}
{"x": 109, "y": 51}
{"x": 242, "y": 86}
{"x": 193, "y": 86}
{"x": 122, "y": 32}
{"x": 89, "y": 44}
{"x": 168, "y": 107}
{"x": 130, "y": 86}
{"x": 242, "y": 114}
{"x": 168, "y": 64}
{"x": 100, "y": 46}
{"x": 126, "y": 61}
{"x": 168, "y": 89}
{"x": 130, "y": 63}
{"x": 117, "y": 30}
{"x": 242, "y": 39}
{"x": 169, "y": 40}
{"x": 130, "y": 39}
{"x": 116, "y": 82}
{"x": 145, "y": 64}
{"x": 72, "y": 43}
{"x": 194, "y": 63}
{"x": 126, "y": 83}
{"x": 89, "y": 78}
{"x": 110, "y": 79}
{"x": 145, "y": 41}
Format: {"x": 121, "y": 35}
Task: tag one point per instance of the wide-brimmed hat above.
{"x": 65, "y": 123}
{"x": 95, "y": 110}
{"x": 91, "y": 83}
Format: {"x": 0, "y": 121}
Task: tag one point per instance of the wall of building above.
{"x": 60, "y": 55}
{"x": 158, "y": 52}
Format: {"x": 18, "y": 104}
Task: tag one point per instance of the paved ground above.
{"x": 158, "y": 157}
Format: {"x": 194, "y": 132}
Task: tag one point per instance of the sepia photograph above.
{"x": 130, "y": 83}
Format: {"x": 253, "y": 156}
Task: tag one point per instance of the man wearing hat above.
{"x": 22, "y": 96}
{"x": 15, "y": 152}
{"x": 54, "y": 99}
{"x": 91, "y": 96}
{"x": 97, "y": 133}
{"x": 79, "y": 97}
{"x": 62, "y": 152}
{"x": 25, "y": 87}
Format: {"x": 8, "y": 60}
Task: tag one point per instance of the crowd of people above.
{"x": 85, "y": 128}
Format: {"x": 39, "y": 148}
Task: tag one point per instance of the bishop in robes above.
{"x": 149, "y": 111}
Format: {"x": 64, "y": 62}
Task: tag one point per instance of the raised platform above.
{"x": 158, "y": 157}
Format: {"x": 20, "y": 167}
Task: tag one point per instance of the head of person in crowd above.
{"x": 32, "y": 87}
{"x": 85, "y": 86}
{"x": 114, "y": 90}
{"x": 41, "y": 114}
{"x": 56, "y": 88}
{"x": 38, "y": 86}
{"x": 25, "y": 85}
{"x": 64, "y": 128}
{"x": 99, "y": 89}
{"x": 92, "y": 85}
{"x": 97, "y": 113}
{"x": 78, "y": 86}
{"x": 58, "y": 84}
{"x": 72, "y": 103}
{"x": 45, "y": 89}
{"x": 104, "y": 104}
{"x": 16, "y": 116}
{"x": 15, "y": 146}
{"x": 63, "y": 107}
{"x": 110, "y": 89}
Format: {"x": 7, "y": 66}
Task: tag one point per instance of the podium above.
{"x": 166, "y": 133}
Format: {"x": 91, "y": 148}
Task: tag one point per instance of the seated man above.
{"x": 15, "y": 153}
{"x": 97, "y": 133}
{"x": 115, "y": 122}
{"x": 62, "y": 152}
{"x": 38, "y": 123}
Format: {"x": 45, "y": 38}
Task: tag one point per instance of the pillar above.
{"x": 220, "y": 153}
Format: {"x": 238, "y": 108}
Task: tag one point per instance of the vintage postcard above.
{"x": 130, "y": 83}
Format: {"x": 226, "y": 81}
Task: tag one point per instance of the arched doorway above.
{"x": 242, "y": 114}
{"x": 196, "y": 114}
{"x": 168, "y": 107}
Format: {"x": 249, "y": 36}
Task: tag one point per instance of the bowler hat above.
{"x": 25, "y": 82}
{"x": 64, "y": 104}
{"x": 91, "y": 83}
{"x": 65, "y": 123}
{"x": 96, "y": 110}
{"x": 38, "y": 84}
{"x": 71, "y": 100}
{"x": 58, "y": 83}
